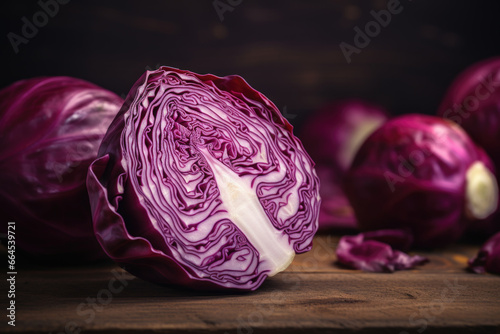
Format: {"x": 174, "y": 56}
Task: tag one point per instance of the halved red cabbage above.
{"x": 473, "y": 101}
{"x": 488, "y": 257}
{"x": 50, "y": 132}
{"x": 201, "y": 183}
{"x": 332, "y": 136}
{"x": 422, "y": 173}
{"x": 378, "y": 251}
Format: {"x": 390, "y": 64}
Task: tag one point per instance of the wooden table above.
{"x": 313, "y": 295}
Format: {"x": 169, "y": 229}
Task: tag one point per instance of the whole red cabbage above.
{"x": 488, "y": 257}
{"x": 201, "y": 183}
{"x": 50, "y": 131}
{"x": 332, "y": 136}
{"x": 473, "y": 101}
{"x": 422, "y": 173}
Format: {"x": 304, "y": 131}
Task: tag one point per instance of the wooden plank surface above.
{"x": 312, "y": 295}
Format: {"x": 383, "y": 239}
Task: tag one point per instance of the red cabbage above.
{"x": 488, "y": 257}
{"x": 373, "y": 251}
{"x": 332, "y": 137}
{"x": 201, "y": 183}
{"x": 50, "y": 131}
{"x": 473, "y": 101}
{"x": 422, "y": 173}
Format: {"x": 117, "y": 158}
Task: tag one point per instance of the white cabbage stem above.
{"x": 481, "y": 191}
{"x": 242, "y": 204}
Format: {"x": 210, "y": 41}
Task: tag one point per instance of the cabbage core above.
{"x": 481, "y": 191}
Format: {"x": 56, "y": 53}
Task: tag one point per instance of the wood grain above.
{"x": 313, "y": 295}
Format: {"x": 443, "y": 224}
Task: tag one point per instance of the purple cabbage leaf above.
{"x": 488, "y": 257}
{"x": 378, "y": 251}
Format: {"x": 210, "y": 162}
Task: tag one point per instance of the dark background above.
{"x": 288, "y": 50}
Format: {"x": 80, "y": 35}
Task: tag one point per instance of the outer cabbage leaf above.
{"x": 488, "y": 257}
{"x": 373, "y": 251}
{"x": 201, "y": 183}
